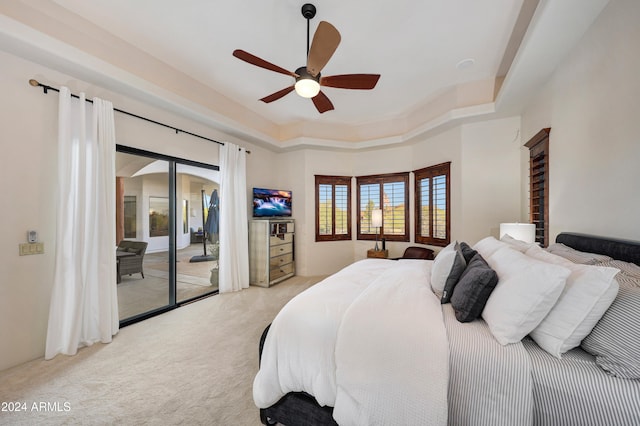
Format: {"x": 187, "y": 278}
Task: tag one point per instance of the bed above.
{"x": 374, "y": 344}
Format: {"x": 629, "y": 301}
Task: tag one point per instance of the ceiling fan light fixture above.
{"x": 307, "y": 87}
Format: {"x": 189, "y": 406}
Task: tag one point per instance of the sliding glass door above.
{"x": 167, "y": 242}
{"x": 197, "y": 245}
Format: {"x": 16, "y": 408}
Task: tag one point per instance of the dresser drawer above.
{"x": 278, "y": 261}
{"x": 276, "y": 239}
{"x": 281, "y": 271}
{"x": 280, "y": 250}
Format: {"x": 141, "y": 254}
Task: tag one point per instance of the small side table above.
{"x": 380, "y": 254}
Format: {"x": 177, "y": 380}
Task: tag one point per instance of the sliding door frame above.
{"x": 173, "y": 162}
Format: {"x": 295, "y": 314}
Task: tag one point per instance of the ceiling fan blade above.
{"x": 351, "y": 81}
{"x": 325, "y": 42}
{"x": 277, "y": 95}
{"x": 254, "y": 60}
{"x": 322, "y": 103}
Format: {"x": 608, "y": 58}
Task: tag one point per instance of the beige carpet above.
{"x": 194, "y": 366}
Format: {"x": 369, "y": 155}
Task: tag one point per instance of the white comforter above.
{"x": 369, "y": 341}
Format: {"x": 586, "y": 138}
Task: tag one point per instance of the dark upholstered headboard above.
{"x": 626, "y": 250}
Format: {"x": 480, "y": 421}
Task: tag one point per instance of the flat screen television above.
{"x": 271, "y": 203}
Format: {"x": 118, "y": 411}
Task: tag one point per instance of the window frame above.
{"x": 431, "y": 172}
{"x": 381, "y": 180}
{"x": 333, "y": 181}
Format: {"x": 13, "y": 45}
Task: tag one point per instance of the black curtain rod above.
{"x": 45, "y": 89}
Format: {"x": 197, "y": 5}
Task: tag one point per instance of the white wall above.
{"x": 381, "y": 161}
{"x": 444, "y": 147}
{"x": 183, "y": 184}
{"x": 29, "y": 133}
{"x": 592, "y": 104}
{"x": 324, "y": 257}
{"x": 490, "y": 174}
{"x": 485, "y": 176}
{"x": 28, "y": 129}
{"x": 263, "y": 168}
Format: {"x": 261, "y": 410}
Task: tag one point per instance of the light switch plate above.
{"x": 31, "y": 248}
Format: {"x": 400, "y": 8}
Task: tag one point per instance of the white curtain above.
{"x": 234, "y": 233}
{"x": 84, "y": 301}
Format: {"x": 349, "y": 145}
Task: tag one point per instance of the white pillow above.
{"x": 589, "y": 292}
{"x": 527, "y": 290}
{"x": 489, "y": 245}
{"x": 442, "y": 267}
{"x": 519, "y": 245}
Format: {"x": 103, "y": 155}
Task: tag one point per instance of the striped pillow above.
{"x": 575, "y": 255}
{"x": 615, "y": 340}
{"x": 629, "y": 274}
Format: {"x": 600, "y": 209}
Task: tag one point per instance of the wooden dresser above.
{"x": 271, "y": 251}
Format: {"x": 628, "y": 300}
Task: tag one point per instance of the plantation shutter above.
{"x": 433, "y": 211}
{"x": 390, "y": 193}
{"x": 539, "y": 184}
{"x": 333, "y": 208}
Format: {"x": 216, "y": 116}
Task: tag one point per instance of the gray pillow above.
{"x": 615, "y": 340}
{"x": 458, "y": 267}
{"x": 467, "y": 251}
{"x": 473, "y": 289}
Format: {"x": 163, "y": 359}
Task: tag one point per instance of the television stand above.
{"x": 271, "y": 251}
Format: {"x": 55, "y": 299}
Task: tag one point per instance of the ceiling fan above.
{"x": 307, "y": 78}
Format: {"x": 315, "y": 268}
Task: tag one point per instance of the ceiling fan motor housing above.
{"x": 304, "y": 74}
{"x": 308, "y": 11}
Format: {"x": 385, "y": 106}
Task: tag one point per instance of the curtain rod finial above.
{"x": 34, "y": 83}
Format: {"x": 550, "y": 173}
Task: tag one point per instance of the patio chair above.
{"x": 130, "y": 256}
